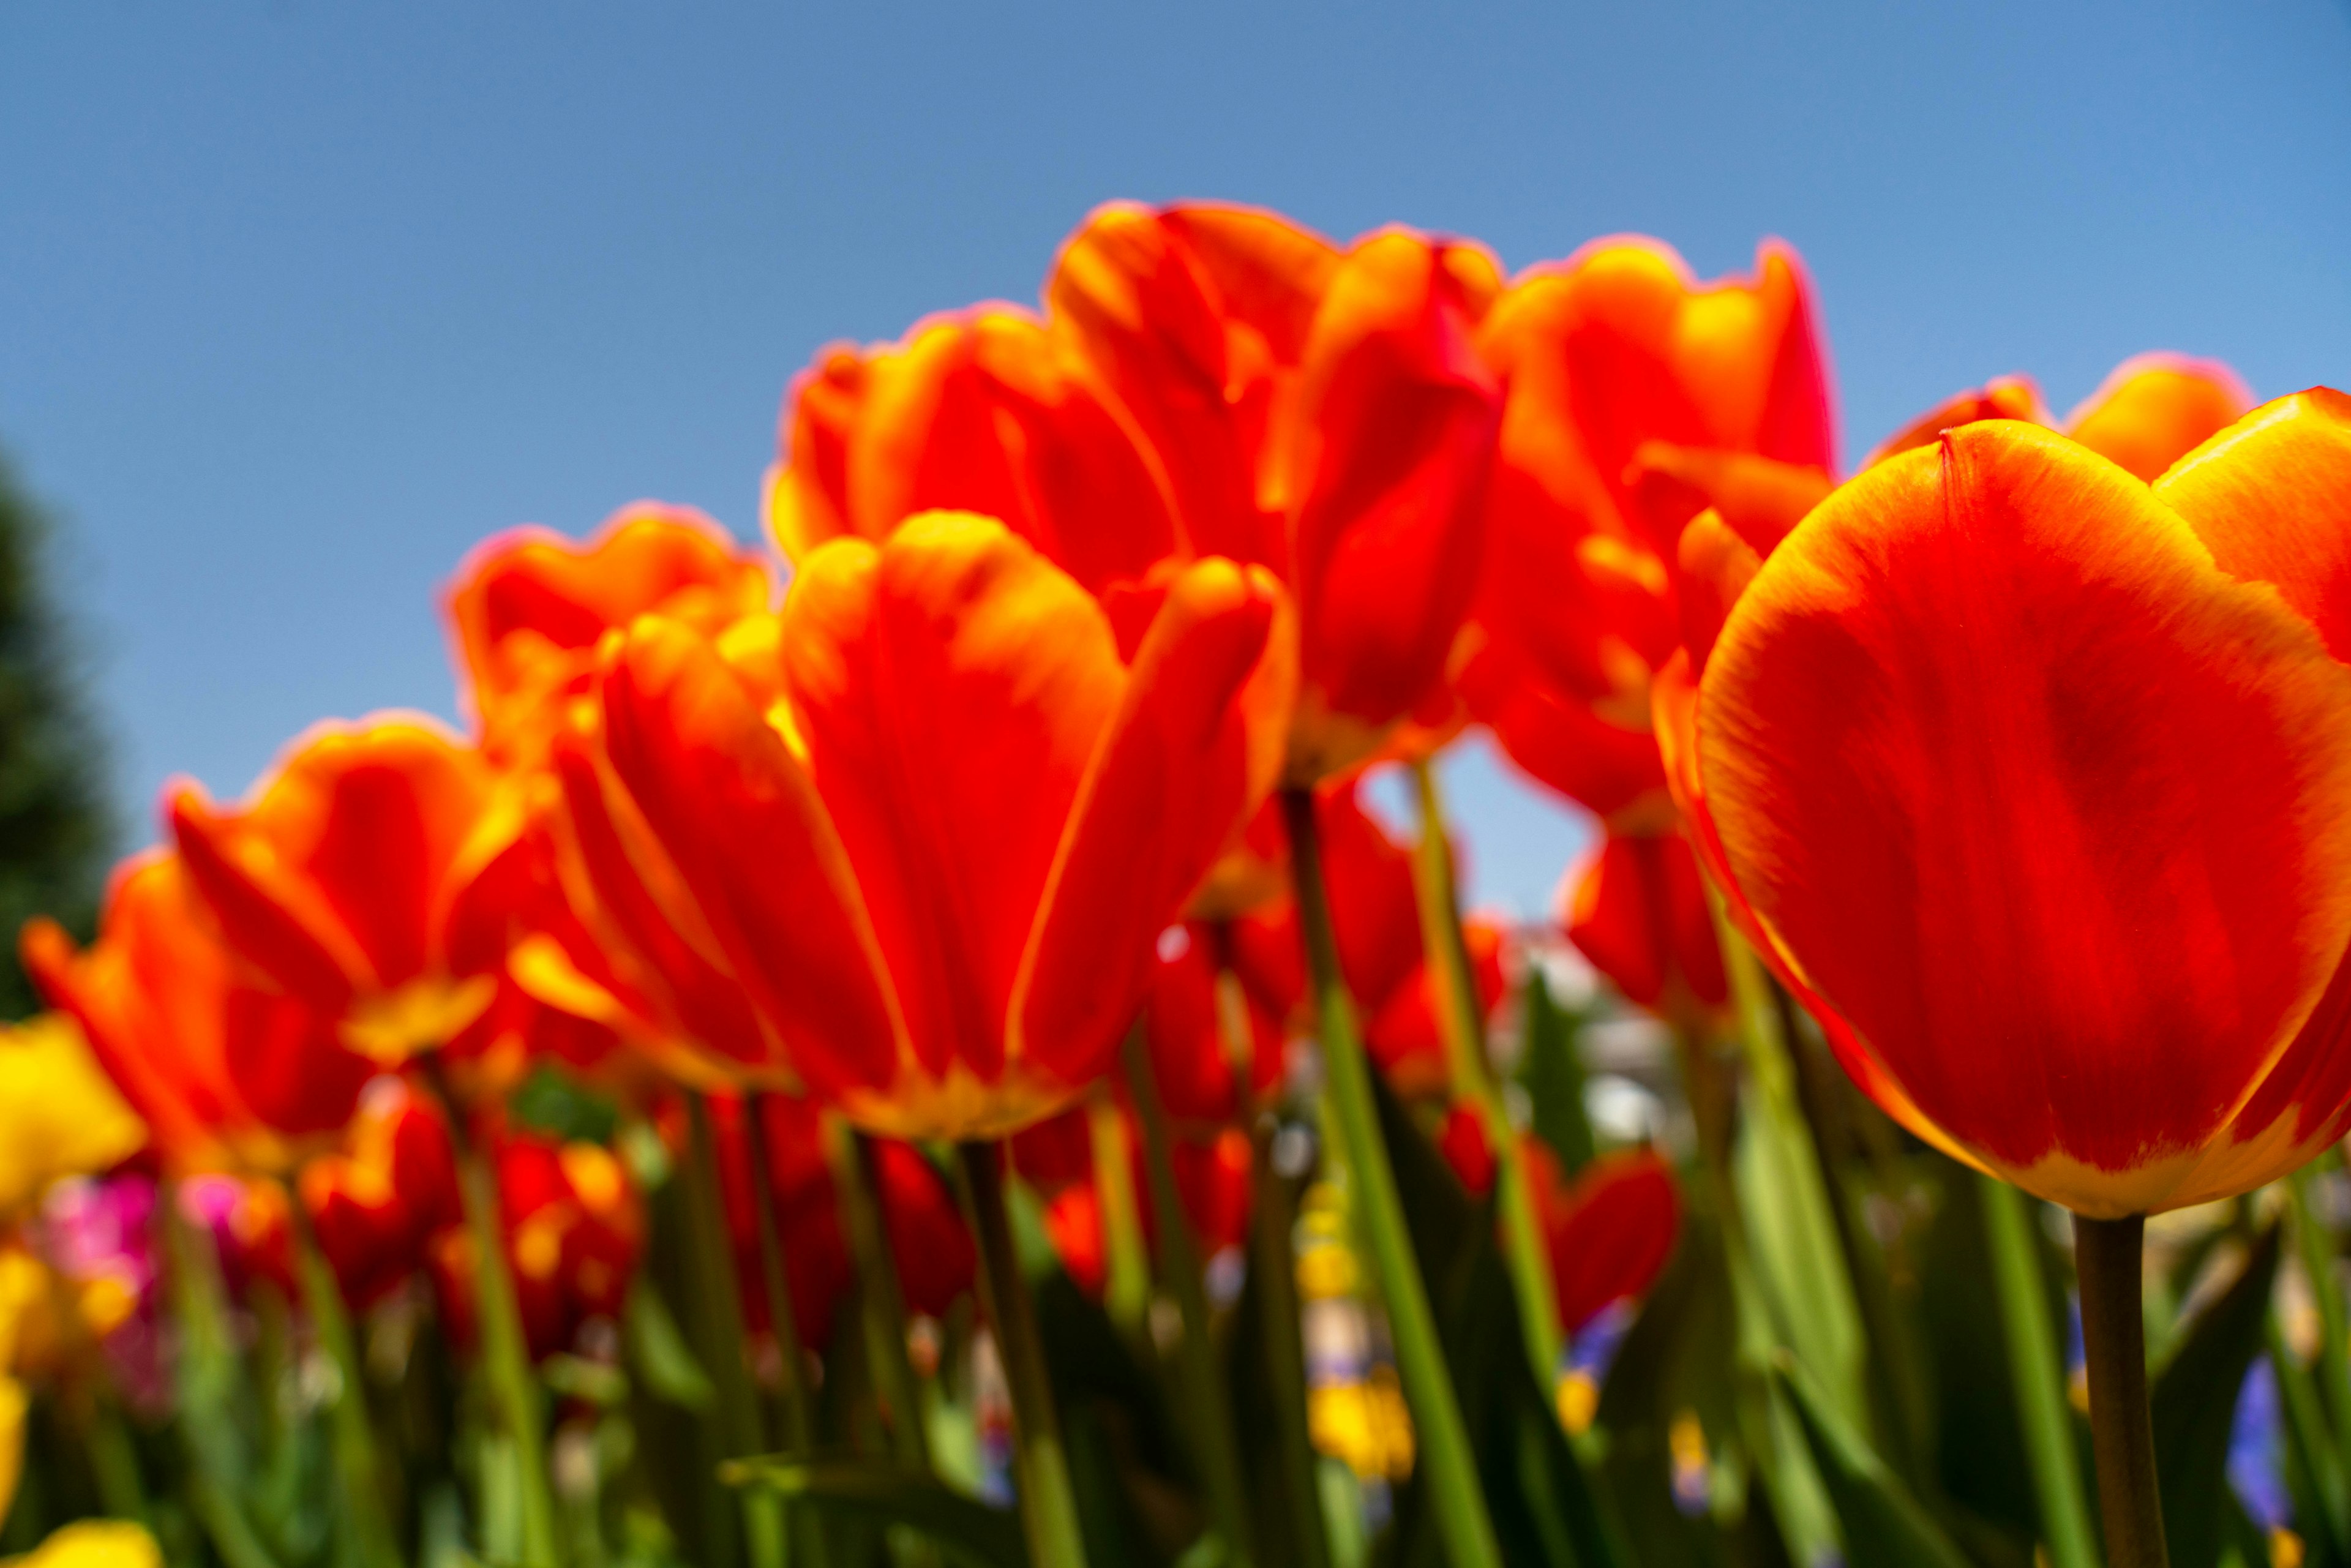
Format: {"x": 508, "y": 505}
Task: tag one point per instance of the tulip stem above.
{"x": 358, "y": 1478}
{"x": 1273, "y": 1276}
{"x": 1126, "y": 1285}
{"x": 1525, "y": 1252}
{"x": 722, "y": 1312}
{"x": 516, "y": 1404}
{"x": 1049, "y": 1503}
{"x": 797, "y": 1427}
{"x": 1180, "y": 1266}
{"x": 881, "y": 1296}
{"x": 2038, "y": 1376}
{"x": 2107, "y": 1267}
{"x": 1459, "y": 1505}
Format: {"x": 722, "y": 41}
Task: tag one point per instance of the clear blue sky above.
{"x": 299, "y": 299}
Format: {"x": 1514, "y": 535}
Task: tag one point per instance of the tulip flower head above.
{"x": 984, "y": 411}
{"x": 527, "y": 608}
{"x": 936, "y": 822}
{"x": 59, "y": 1117}
{"x": 344, "y": 878}
{"x": 227, "y": 1073}
{"x": 2034, "y": 781}
{"x": 1318, "y": 411}
{"x": 1638, "y": 912}
{"x": 1638, "y": 397}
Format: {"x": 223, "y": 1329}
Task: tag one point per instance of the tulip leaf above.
{"x": 968, "y": 1530}
{"x": 1884, "y": 1525}
{"x": 1544, "y": 1506}
{"x": 2195, "y": 1404}
{"x": 1552, "y": 1074}
{"x": 658, "y": 1352}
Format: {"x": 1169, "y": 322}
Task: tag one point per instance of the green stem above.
{"x": 880, "y": 1295}
{"x": 1049, "y": 1504}
{"x": 796, "y": 1424}
{"x": 797, "y": 1427}
{"x": 2107, "y": 1268}
{"x": 1525, "y": 1252}
{"x": 1444, "y": 1438}
{"x": 2306, "y": 1427}
{"x": 1179, "y": 1268}
{"x": 1273, "y": 1274}
{"x": 518, "y": 1407}
{"x": 358, "y": 1475}
{"x": 722, "y": 1306}
{"x": 2038, "y": 1375}
{"x": 1126, "y": 1286}
{"x": 2332, "y": 1371}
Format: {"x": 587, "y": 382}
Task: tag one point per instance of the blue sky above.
{"x": 299, "y": 299}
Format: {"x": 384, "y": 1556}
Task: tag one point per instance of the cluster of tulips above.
{"x": 830, "y": 1055}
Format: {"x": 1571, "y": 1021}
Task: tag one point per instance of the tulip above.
{"x": 938, "y": 858}
{"x": 1317, "y": 412}
{"x": 375, "y": 1207}
{"x": 527, "y": 608}
{"x": 1634, "y": 393}
{"x": 2030, "y": 778}
{"x": 59, "y": 1117}
{"x": 345, "y": 877}
{"x": 984, "y": 411}
{"x": 1638, "y": 912}
{"x": 1610, "y": 1229}
{"x": 227, "y": 1073}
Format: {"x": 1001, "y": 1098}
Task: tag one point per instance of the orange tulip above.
{"x": 227, "y": 1075}
{"x": 528, "y": 606}
{"x": 2148, "y": 413}
{"x": 979, "y": 412}
{"x": 938, "y": 833}
{"x": 376, "y": 1205}
{"x": 346, "y": 877}
{"x": 1637, "y": 398}
{"x": 611, "y": 941}
{"x": 1317, "y": 412}
{"x": 574, "y": 1231}
{"x": 2034, "y": 781}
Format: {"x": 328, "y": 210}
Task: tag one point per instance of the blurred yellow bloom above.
{"x": 59, "y": 1115}
{"x": 93, "y": 1544}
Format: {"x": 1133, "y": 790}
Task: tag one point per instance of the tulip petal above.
{"x": 948, "y": 689}
{"x": 1394, "y": 433}
{"x": 739, "y": 819}
{"x": 1167, "y": 790}
{"x": 2272, "y": 499}
{"x": 2156, "y": 409}
{"x": 2052, "y": 813}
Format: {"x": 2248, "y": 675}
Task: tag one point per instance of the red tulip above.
{"x": 980, "y": 411}
{"x": 938, "y": 835}
{"x": 1639, "y": 914}
{"x": 345, "y": 879}
{"x": 228, "y": 1075}
{"x": 527, "y": 608}
{"x": 1316, "y": 411}
{"x": 2030, "y": 778}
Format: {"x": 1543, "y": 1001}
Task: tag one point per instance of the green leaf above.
{"x": 551, "y": 1101}
{"x": 2195, "y": 1403}
{"x": 1883, "y": 1524}
{"x": 884, "y": 1494}
{"x": 657, "y": 1351}
{"x": 1553, "y": 1075}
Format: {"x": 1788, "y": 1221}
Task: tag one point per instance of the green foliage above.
{"x": 55, "y": 830}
